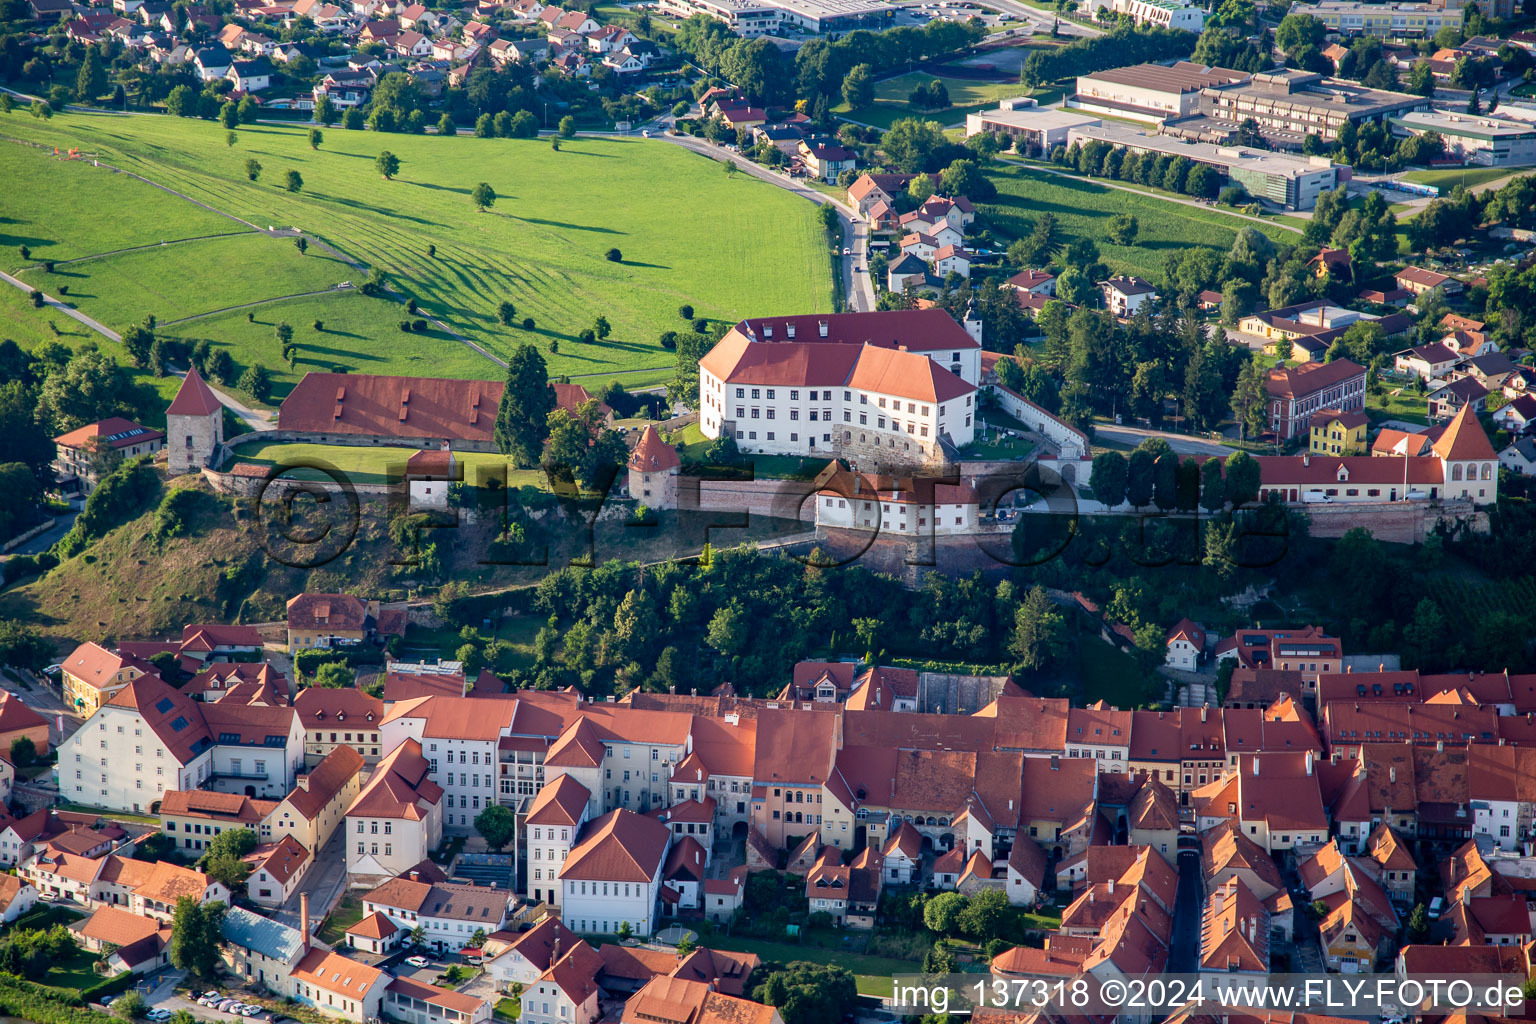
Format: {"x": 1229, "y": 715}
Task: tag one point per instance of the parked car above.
{"x": 418, "y": 961}
{"x": 158, "y": 1014}
{"x": 48, "y": 897}
{"x": 213, "y": 994}
{"x": 1436, "y": 908}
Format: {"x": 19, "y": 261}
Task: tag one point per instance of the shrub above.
{"x": 36, "y": 297}
{"x": 527, "y": 323}
{"x": 405, "y": 325}
{"x": 614, "y": 256}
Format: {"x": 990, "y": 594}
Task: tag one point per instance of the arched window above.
{"x": 1487, "y": 471}
{"x": 1456, "y": 472}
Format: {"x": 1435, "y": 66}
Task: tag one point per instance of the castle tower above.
{"x": 194, "y": 426}
{"x": 1471, "y": 466}
{"x": 653, "y": 467}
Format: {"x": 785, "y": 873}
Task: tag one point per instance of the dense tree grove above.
{"x": 1117, "y": 48}
{"x": 748, "y": 617}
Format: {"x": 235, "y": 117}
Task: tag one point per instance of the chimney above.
{"x": 554, "y": 952}
{"x": 1440, "y": 746}
{"x": 1111, "y": 886}
{"x": 1090, "y": 894}
{"x": 1392, "y": 774}
{"x": 304, "y": 918}
{"x": 1466, "y": 894}
{"x": 1306, "y": 458}
{"x": 1309, "y": 762}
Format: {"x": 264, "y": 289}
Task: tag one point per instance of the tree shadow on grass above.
{"x": 564, "y": 224}
{"x": 381, "y": 211}
{"x": 340, "y": 353}
{"x": 637, "y": 263}
{"x": 441, "y": 188}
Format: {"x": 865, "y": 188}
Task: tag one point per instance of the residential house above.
{"x": 276, "y": 871}
{"x": 339, "y": 717}
{"x": 416, "y": 1002}
{"x": 449, "y": 914}
{"x": 397, "y": 818}
{"x": 338, "y": 620}
{"x": 87, "y": 453}
{"x": 250, "y": 75}
{"x": 1448, "y": 400}
{"x": 825, "y": 160}
{"x": 91, "y": 674}
{"x": 1520, "y": 457}
{"x": 567, "y": 992}
{"x": 1420, "y": 281}
{"x": 1034, "y": 282}
{"x": 1124, "y": 296}
{"x": 338, "y": 986}
{"x": 519, "y": 958}
{"x": 1335, "y": 432}
{"x": 951, "y": 259}
{"x": 1186, "y": 646}
{"x": 1518, "y": 415}
{"x": 191, "y": 818}
{"x": 870, "y": 192}
{"x": 319, "y": 800}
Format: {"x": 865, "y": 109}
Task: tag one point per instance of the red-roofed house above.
{"x": 339, "y": 986}
{"x": 1296, "y": 393}
{"x": 402, "y": 799}
{"x": 1186, "y": 645}
{"x": 86, "y": 453}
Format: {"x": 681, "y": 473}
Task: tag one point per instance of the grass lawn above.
{"x": 373, "y": 465}
{"x": 348, "y": 912}
{"x": 998, "y": 448}
{"x": 62, "y": 218}
{"x": 1448, "y": 178}
{"x": 693, "y": 442}
{"x": 74, "y": 971}
{"x": 542, "y": 247}
{"x": 872, "y": 973}
{"x": 1084, "y": 207}
{"x": 1406, "y": 405}
{"x": 121, "y": 290}
{"x": 358, "y": 335}
{"x": 966, "y": 96}
{"x": 509, "y": 1008}
{"x": 1108, "y": 673}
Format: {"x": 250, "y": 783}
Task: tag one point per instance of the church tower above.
{"x": 194, "y": 426}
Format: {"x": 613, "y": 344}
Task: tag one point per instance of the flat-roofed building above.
{"x": 1150, "y": 92}
{"x": 1289, "y": 105}
{"x": 1034, "y": 130}
{"x": 748, "y": 18}
{"x": 1348, "y": 17}
{"x": 1486, "y": 141}
{"x": 1294, "y": 182}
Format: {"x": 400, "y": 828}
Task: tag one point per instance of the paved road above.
{"x": 45, "y": 540}
{"x": 1184, "y": 444}
{"x": 54, "y": 303}
{"x": 324, "y": 883}
{"x": 1184, "y": 949}
{"x": 256, "y": 419}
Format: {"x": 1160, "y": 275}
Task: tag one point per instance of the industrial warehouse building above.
{"x": 1150, "y": 92}
{"x": 1483, "y": 140}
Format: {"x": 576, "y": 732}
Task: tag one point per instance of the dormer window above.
{"x": 1343, "y": 473}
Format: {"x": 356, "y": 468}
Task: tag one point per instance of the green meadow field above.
{"x": 1084, "y": 208}
{"x": 689, "y": 234}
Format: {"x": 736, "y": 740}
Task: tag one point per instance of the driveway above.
{"x": 1184, "y": 444}
{"x": 324, "y": 883}
{"x": 1184, "y": 950}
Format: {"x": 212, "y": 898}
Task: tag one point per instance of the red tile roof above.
{"x": 652, "y": 454}
{"x": 113, "y": 432}
{"x": 193, "y": 398}
{"x": 621, "y": 846}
